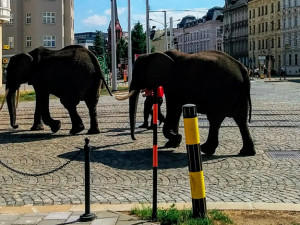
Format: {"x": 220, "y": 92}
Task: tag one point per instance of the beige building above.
{"x": 4, "y": 17}
{"x": 265, "y": 34}
{"x": 34, "y": 23}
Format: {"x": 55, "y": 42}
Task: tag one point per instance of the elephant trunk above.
{"x": 133, "y": 100}
{"x": 10, "y": 98}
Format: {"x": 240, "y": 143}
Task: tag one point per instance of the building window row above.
{"x": 290, "y": 3}
{"x": 47, "y": 18}
{"x": 263, "y": 27}
{"x": 263, "y": 10}
{"x": 48, "y": 41}
{"x": 264, "y": 44}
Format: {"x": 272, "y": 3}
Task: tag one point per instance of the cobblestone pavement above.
{"x": 121, "y": 169}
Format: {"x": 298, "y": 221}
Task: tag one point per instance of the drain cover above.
{"x": 294, "y": 154}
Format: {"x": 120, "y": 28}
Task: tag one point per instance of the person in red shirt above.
{"x": 148, "y": 106}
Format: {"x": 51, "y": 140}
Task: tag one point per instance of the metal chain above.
{"x": 45, "y": 173}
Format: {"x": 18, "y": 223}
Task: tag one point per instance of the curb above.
{"x": 28, "y": 209}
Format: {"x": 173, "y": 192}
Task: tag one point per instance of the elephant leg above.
{"x": 42, "y": 101}
{"x": 212, "y": 142}
{"x": 170, "y": 128}
{"x": 248, "y": 145}
{"x": 37, "y": 124}
{"x": 77, "y": 125}
{"x": 91, "y": 103}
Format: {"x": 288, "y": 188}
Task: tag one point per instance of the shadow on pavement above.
{"x": 20, "y": 137}
{"x": 141, "y": 159}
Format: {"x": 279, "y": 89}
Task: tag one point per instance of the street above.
{"x": 121, "y": 169}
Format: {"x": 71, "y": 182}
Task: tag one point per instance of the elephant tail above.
{"x": 247, "y": 89}
{"x": 106, "y": 86}
{"x": 250, "y": 106}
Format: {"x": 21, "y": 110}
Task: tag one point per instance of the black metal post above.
{"x": 87, "y": 216}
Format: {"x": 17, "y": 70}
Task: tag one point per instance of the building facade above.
{"x": 200, "y": 34}
{"x": 265, "y": 36}
{"x": 86, "y": 39}
{"x": 4, "y": 17}
{"x": 235, "y": 28}
{"x": 291, "y": 36}
{"x": 34, "y": 23}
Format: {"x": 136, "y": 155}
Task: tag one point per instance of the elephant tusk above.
{"x": 121, "y": 98}
{"x": 3, "y": 101}
{"x": 18, "y": 98}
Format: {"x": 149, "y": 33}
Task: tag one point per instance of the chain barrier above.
{"x": 45, "y": 173}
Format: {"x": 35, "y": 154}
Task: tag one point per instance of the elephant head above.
{"x": 19, "y": 71}
{"x": 147, "y": 68}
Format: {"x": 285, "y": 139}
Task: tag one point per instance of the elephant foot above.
{"x": 55, "y": 126}
{"x": 39, "y": 126}
{"x": 247, "y": 151}
{"x": 208, "y": 149}
{"x": 93, "y": 130}
{"x": 77, "y": 129}
{"x": 174, "y": 142}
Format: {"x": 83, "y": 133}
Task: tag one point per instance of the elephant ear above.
{"x": 159, "y": 67}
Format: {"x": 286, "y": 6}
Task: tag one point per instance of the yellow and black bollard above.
{"x": 192, "y": 139}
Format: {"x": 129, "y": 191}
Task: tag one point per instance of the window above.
{"x": 253, "y": 45}
{"x": 296, "y": 21}
{"x": 258, "y": 44}
{"x": 266, "y": 9}
{"x": 49, "y": 41}
{"x": 279, "y": 46}
{"x": 262, "y": 11}
{"x": 296, "y": 59}
{"x": 253, "y": 13}
{"x": 49, "y": 17}
{"x": 266, "y": 26}
{"x": 28, "y": 41}
{"x": 272, "y": 25}
{"x": 28, "y": 18}
{"x": 249, "y": 14}
{"x": 259, "y": 28}
{"x": 11, "y": 19}
{"x": 278, "y": 6}
{"x": 278, "y": 25}
{"x": 290, "y": 22}
{"x": 263, "y": 44}
{"x": 11, "y": 42}
{"x": 290, "y": 59}
{"x": 272, "y": 8}
{"x": 258, "y": 11}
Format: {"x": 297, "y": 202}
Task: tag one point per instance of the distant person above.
{"x": 148, "y": 107}
{"x": 282, "y": 73}
{"x": 256, "y": 72}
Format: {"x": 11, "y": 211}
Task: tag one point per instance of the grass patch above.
{"x": 172, "y": 216}
{"x": 30, "y": 95}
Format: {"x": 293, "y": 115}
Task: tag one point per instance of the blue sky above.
{"x": 91, "y": 15}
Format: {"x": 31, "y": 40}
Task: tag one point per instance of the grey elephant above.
{"x": 72, "y": 74}
{"x": 212, "y": 80}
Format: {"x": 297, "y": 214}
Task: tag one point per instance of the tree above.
{"x": 122, "y": 49}
{"x": 138, "y": 39}
{"x": 99, "y": 43}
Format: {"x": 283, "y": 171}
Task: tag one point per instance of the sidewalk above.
{"x": 109, "y": 214}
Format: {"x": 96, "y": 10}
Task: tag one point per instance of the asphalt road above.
{"x": 121, "y": 169}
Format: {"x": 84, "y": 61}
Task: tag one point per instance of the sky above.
{"x": 92, "y": 15}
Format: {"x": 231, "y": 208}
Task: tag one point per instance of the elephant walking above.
{"x": 72, "y": 74}
{"x": 214, "y": 81}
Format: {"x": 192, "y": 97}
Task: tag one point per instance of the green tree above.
{"x": 138, "y": 39}
{"x": 99, "y": 43}
{"x": 122, "y": 49}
